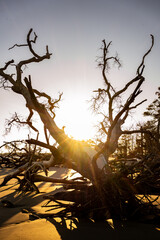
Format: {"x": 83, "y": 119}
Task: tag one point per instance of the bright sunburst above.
{"x": 77, "y": 119}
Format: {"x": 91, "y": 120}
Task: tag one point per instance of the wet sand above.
{"x": 16, "y": 224}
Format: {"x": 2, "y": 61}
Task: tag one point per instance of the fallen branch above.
{"x": 39, "y": 178}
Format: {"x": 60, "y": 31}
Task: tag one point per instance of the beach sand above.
{"x": 16, "y": 223}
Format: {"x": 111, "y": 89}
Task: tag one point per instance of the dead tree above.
{"x": 112, "y": 122}
{"x": 73, "y": 153}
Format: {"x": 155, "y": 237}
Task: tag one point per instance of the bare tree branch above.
{"x": 35, "y": 58}
{"x": 46, "y": 135}
{"x": 126, "y": 108}
{"x": 28, "y": 38}
{"x": 137, "y": 104}
{"x": 29, "y": 119}
{"x": 138, "y": 131}
{"x": 14, "y": 145}
{"x": 52, "y": 103}
{"x": 16, "y": 119}
{"x": 40, "y": 178}
{"x": 58, "y": 158}
{"x": 6, "y": 65}
{"x": 29, "y": 42}
{"x": 103, "y": 128}
{"x": 141, "y": 66}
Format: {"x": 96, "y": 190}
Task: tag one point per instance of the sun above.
{"x": 77, "y": 119}
{"x": 73, "y": 114}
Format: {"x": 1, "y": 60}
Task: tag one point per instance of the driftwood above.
{"x": 128, "y": 193}
{"x": 111, "y": 191}
{"x": 129, "y": 189}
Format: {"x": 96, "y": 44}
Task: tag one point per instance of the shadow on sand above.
{"x": 72, "y": 228}
{"x": 87, "y": 229}
{"x": 20, "y": 200}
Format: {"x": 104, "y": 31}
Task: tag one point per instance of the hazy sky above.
{"x": 73, "y": 29}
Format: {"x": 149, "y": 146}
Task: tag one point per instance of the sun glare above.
{"x": 74, "y": 115}
{"x": 77, "y": 119}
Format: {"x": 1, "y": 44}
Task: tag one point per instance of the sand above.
{"x": 17, "y": 224}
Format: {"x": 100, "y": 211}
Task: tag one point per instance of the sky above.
{"x": 73, "y": 30}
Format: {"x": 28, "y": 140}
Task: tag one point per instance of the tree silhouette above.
{"x": 153, "y": 111}
{"x": 113, "y": 120}
{"x": 104, "y": 187}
